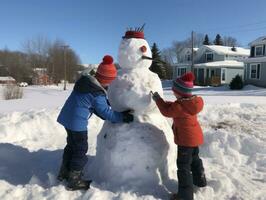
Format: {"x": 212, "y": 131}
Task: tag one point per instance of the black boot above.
{"x": 63, "y": 172}
{"x": 175, "y": 197}
{"x": 75, "y": 182}
{"x": 200, "y": 179}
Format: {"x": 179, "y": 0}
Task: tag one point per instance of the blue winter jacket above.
{"x": 87, "y": 97}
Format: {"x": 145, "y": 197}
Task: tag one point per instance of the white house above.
{"x": 184, "y": 62}
{"x": 215, "y": 64}
{"x": 255, "y": 65}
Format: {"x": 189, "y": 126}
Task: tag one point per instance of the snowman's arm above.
{"x": 168, "y": 109}
{"x": 104, "y": 111}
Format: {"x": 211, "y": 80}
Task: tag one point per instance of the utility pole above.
{"x": 64, "y": 49}
{"x": 192, "y": 50}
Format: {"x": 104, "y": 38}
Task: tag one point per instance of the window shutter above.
{"x": 252, "y": 51}
{"x": 258, "y": 71}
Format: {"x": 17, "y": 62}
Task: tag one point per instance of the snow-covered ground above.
{"x": 234, "y": 152}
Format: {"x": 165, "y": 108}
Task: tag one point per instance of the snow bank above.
{"x": 234, "y": 152}
{"x": 234, "y": 155}
{"x": 38, "y": 129}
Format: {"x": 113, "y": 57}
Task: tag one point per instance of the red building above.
{"x": 41, "y": 77}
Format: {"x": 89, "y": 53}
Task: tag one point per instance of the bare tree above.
{"x": 198, "y": 39}
{"x": 168, "y": 55}
{"x": 230, "y": 41}
{"x": 56, "y": 61}
{"x": 15, "y": 64}
{"x": 174, "y": 51}
{"x": 37, "y": 50}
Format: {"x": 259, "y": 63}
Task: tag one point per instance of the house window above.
{"x": 223, "y": 75}
{"x": 181, "y": 71}
{"x": 212, "y": 72}
{"x": 209, "y": 57}
{"x": 259, "y": 50}
{"x": 255, "y": 71}
{"x": 188, "y": 57}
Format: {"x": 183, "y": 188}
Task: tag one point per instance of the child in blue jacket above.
{"x": 88, "y": 97}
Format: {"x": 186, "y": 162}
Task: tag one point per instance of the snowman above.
{"x": 135, "y": 156}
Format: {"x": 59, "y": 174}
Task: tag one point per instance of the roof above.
{"x": 7, "y": 78}
{"x": 219, "y": 64}
{"x": 256, "y": 59}
{"x": 228, "y": 50}
{"x": 90, "y": 66}
{"x": 185, "y": 50}
{"x": 39, "y": 69}
{"x": 182, "y": 64}
{"x": 260, "y": 40}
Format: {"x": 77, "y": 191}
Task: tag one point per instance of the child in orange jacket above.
{"x": 187, "y": 134}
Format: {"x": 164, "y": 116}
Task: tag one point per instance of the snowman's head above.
{"x": 134, "y": 51}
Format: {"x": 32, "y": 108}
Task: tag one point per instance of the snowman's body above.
{"x": 135, "y": 154}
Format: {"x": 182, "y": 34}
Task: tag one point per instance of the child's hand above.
{"x": 155, "y": 96}
{"x": 128, "y": 116}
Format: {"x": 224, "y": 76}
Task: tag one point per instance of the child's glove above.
{"x": 127, "y": 116}
{"x": 155, "y": 96}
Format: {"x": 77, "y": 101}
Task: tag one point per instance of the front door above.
{"x": 201, "y": 76}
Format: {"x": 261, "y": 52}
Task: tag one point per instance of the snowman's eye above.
{"x": 143, "y": 49}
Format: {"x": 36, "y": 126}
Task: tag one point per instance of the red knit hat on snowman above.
{"x": 106, "y": 71}
{"x": 183, "y": 85}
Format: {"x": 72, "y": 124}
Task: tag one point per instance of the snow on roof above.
{"x": 39, "y": 69}
{"x": 228, "y": 50}
{"x": 260, "y": 40}
{"x": 91, "y": 66}
{"x": 6, "y": 78}
{"x": 219, "y": 64}
{"x": 256, "y": 59}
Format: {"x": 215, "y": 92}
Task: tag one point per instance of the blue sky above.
{"x": 94, "y": 28}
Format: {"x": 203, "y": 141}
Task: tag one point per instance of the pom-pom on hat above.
{"x": 106, "y": 71}
{"x": 184, "y": 85}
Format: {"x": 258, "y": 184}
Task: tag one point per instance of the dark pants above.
{"x": 74, "y": 156}
{"x": 189, "y": 167}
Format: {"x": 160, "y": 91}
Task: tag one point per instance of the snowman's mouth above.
{"x": 146, "y": 57}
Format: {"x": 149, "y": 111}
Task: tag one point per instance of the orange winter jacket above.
{"x": 186, "y": 128}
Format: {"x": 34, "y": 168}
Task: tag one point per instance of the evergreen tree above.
{"x": 206, "y": 40}
{"x": 157, "y": 65}
{"x": 218, "y": 40}
{"x": 236, "y": 83}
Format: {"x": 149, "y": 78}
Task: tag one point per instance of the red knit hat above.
{"x": 184, "y": 85}
{"x": 106, "y": 71}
